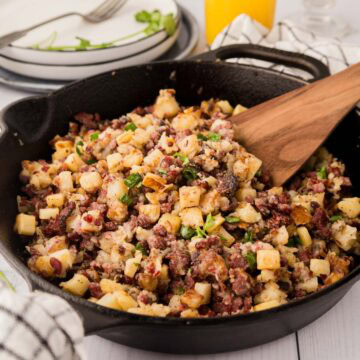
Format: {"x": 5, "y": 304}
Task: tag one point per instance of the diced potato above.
{"x": 132, "y": 157}
{"x": 56, "y": 243}
{"x": 64, "y": 181}
{"x": 189, "y": 313}
{"x": 189, "y": 196}
{"x": 73, "y": 162}
{"x": 143, "y": 122}
{"x": 225, "y": 106}
{"x": 226, "y": 237}
{"x": 247, "y": 213}
{"x": 117, "y": 211}
{"x": 64, "y": 144}
{"x": 189, "y": 146}
{"x": 170, "y": 222}
{"x": 151, "y": 211}
{"x": 266, "y": 276}
{"x": 350, "y": 207}
{"x": 40, "y": 180}
{"x": 192, "y": 244}
{"x": 110, "y": 286}
{"x": 185, "y": 121}
{"x": 309, "y": 286}
{"x": 91, "y": 181}
{"x": 77, "y": 285}
{"x": 148, "y": 282}
{"x": 300, "y": 215}
{"x": 192, "y": 299}
{"x": 305, "y": 200}
{"x": 154, "y": 158}
{"x": 116, "y": 189}
{"x": 25, "y": 224}
{"x": 168, "y": 144}
{"x": 42, "y": 265}
{"x": 55, "y": 200}
{"x": 244, "y": 193}
{"x": 73, "y": 222}
{"x": 277, "y": 190}
{"x": 48, "y": 213}
{"x": 166, "y": 105}
{"x": 345, "y": 235}
{"x": 151, "y": 310}
{"x": 110, "y": 301}
{"x": 204, "y": 289}
{"x": 164, "y": 275}
{"x": 280, "y": 236}
{"x": 254, "y": 165}
{"x": 218, "y": 220}
{"x": 192, "y": 217}
{"x": 320, "y": 267}
{"x": 269, "y": 293}
{"x": 60, "y": 154}
{"x": 267, "y": 305}
{"x": 133, "y": 265}
{"x": 89, "y": 220}
{"x": 239, "y": 109}
{"x": 304, "y": 236}
{"x": 140, "y": 138}
{"x": 210, "y": 202}
{"x": 241, "y": 169}
{"x": 155, "y": 182}
{"x": 124, "y": 300}
{"x": 65, "y": 257}
{"x": 114, "y": 162}
{"x": 268, "y": 259}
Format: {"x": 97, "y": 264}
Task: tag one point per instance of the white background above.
{"x": 335, "y": 336}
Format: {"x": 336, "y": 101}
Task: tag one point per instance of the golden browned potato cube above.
{"x": 25, "y": 224}
{"x": 280, "y": 236}
{"x": 133, "y": 265}
{"x": 192, "y": 299}
{"x": 345, "y": 235}
{"x": 217, "y": 221}
{"x": 239, "y": 109}
{"x": 189, "y": 313}
{"x": 154, "y": 158}
{"x": 64, "y": 181}
{"x": 116, "y": 189}
{"x": 350, "y": 207}
{"x": 155, "y": 182}
{"x": 244, "y": 193}
{"x": 55, "y": 200}
{"x": 40, "y": 180}
{"x": 110, "y": 286}
{"x": 170, "y": 222}
{"x": 210, "y": 202}
{"x": 247, "y": 213}
{"x": 56, "y": 243}
{"x": 117, "y": 211}
{"x": 148, "y": 282}
{"x": 204, "y": 289}
{"x": 166, "y": 105}
{"x": 48, "y": 213}
{"x": 185, "y": 121}
{"x": 151, "y": 211}
{"x": 124, "y": 300}
{"x": 114, "y": 162}
{"x": 91, "y": 181}
{"x": 268, "y": 259}
{"x": 320, "y": 267}
{"x": 192, "y": 217}
{"x": 189, "y": 196}
{"x": 226, "y": 237}
{"x": 88, "y": 221}
{"x": 110, "y": 301}
{"x": 73, "y": 162}
{"x": 189, "y": 146}
{"x": 42, "y": 265}
{"x": 77, "y": 285}
{"x": 304, "y": 236}
{"x": 310, "y": 285}
{"x": 268, "y": 305}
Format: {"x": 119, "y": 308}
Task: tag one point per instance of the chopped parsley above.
{"x": 79, "y": 144}
{"x": 336, "y": 218}
{"x": 140, "y": 248}
{"x": 130, "y": 127}
{"x": 187, "y": 232}
{"x": 248, "y": 237}
{"x": 214, "y": 136}
{"x": 251, "y": 259}
{"x": 294, "y": 241}
{"x": 232, "y": 219}
{"x": 179, "y": 290}
{"x": 322, "y": 173}
{"x": 133, "y": 180}
{"x": 94, "y": 136}
{"x": 190, "y": 173}
{"x": 209, "y": 223}
{"x": 183, "y": 158}
{"x": 202, "y": 137}
{"x": 126, "y": 199}
{"x": 200, "y": 232}
{"x": 162, "y": 172}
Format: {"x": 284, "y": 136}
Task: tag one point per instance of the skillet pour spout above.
{"x": 28, "y": 125}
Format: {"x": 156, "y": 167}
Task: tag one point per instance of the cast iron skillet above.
{"x": 29, "y": 124}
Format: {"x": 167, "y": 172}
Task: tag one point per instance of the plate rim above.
{"x": 39, "y": 51}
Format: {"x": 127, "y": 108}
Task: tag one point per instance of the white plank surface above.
{"x": 333, "y": 337}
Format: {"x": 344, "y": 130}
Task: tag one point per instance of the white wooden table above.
{"x": 335, "y": 336}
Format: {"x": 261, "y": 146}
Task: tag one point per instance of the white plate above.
{"x": 74, "y": 72}
{"x": 18, "y": 14}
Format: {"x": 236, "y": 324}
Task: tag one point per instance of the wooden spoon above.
{"x": 285, "y": 131}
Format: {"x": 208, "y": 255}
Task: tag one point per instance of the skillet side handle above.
{"x": 311, "y": 65}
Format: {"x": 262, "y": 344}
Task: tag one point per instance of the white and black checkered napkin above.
{"x": 286, "y": 36}
{"x": 38, "y": 326}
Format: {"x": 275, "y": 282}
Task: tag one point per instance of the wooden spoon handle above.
{"x": 286, "y": 130}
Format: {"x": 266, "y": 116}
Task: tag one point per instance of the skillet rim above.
{"x": 137, "y": 319}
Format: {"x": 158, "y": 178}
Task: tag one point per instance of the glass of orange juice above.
{"x": 219, "y": 13}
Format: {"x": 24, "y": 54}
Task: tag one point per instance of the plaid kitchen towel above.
{"x": 286, "y": 36}
{"x": 38, "y": 326}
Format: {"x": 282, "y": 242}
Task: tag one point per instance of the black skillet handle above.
{"x": 313, "y": 66}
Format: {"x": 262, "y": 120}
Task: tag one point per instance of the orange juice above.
{"x": 219, "y": 13}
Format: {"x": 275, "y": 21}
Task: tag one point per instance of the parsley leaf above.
{"x": 248, "y": 237}
{"x": 162, "y": 172}
{"x": 130, "y": 127}
{"x": 322, "y": 173}
{"x": 187, "y": 232}
{"x": 214, "y": 136}
{"x": 91, "y": 161}
{"x": 232, "y": 219}
{"x": 79, "y": 144}
{"x": 336, "y": 218}
{"x": 251, "y": 259}
{"x": 133, "y": 180}
{"x": 94, "y": 136}
{"x": 200, "y": 232}
{"x": 202, "y": 137}
{"x": 209, "y": 223}
{"x": 293, "y": 241}
{"x": 190, "y": 173}
{"x": 183, "y": 158}
{"x": 140, "y": 248}
{"x": 126, "y": 199}
{"x": 179, "y": 290}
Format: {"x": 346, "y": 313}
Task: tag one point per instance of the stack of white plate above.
{"x": 23, "y": 57}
